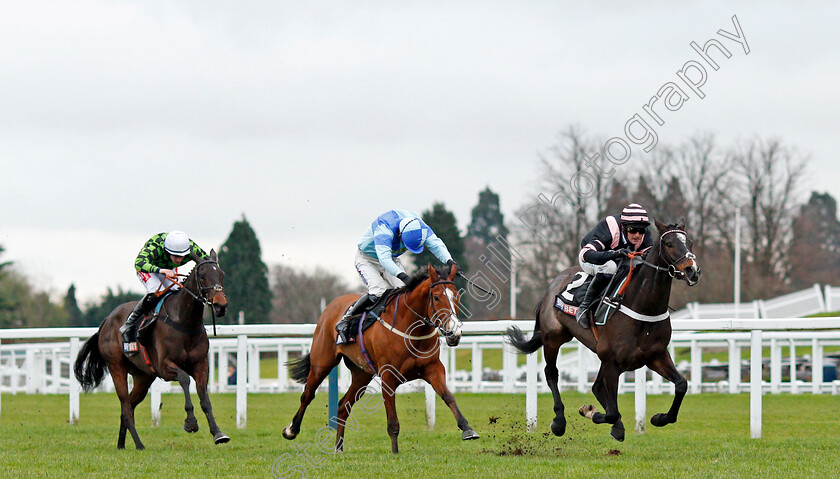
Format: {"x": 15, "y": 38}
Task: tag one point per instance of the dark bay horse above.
{"x": 401, "y": 347}
{"x": 623, "y": 343}
{"x": 177, "y": 349}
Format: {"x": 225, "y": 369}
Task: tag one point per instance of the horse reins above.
{"x": 422, "y": 318}
{"x": 217, "y": 288}
{"x": 671, "y": 269}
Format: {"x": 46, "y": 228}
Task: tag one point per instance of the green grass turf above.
{"x": 800, "y": 439}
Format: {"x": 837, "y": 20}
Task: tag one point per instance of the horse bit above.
{"x": 672, "y": 268}
{"x": 427, "y": 321}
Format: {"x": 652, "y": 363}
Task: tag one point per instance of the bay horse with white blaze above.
{"x": 636, "y": 335}
{"x": 176, "y": 347}
{"x": 402, "y": 346}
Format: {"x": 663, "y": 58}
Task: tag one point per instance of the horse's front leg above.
{"x": 664, "y": 366}
{"x": 201, "y": 373}
{"x": 605, "y": 389}
{"x": 171, "y": 371}
{"x": 435, "y": 375}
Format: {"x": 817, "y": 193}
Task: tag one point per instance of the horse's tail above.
{"x": 89, "y": 368}
{"x": 517, "y": 339}
{"x": 299, "y": 368}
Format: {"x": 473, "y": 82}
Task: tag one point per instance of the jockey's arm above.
{"x": 436, "y": 246}
{"x": 385, "y": 256}
{"x": 593, "y": 256}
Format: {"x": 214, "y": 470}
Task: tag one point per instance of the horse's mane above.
{"x": 422, "y": 274}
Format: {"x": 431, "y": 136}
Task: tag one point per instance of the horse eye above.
{"x": 437, "y": 298}
{"x": 669, "y": 244}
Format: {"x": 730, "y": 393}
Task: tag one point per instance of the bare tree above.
{"x": 296, "y": 295}
{"x": 768, "y": 174}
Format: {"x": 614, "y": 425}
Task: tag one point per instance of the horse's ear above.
{"x": 213, "y": 256}
{"x": 452, "y": 271}
{"x": 681, "y": 224}
{"x": 660, "y": 226}
{"x": 433, "y": 275}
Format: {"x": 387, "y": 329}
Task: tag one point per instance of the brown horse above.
{"x": 177, "y": 348}
{"x": 404, "y": 348}
{"x": 623, "y": 343}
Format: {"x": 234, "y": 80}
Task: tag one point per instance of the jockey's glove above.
{"x": 623, "y": 253}
{"x": 451, "y": 263}
{"x": 403, "y": 277}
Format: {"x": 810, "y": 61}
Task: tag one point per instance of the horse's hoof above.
{"x": 617, "y": 433}
{"x": 221, "y": 438}
{"x": 558, "y": 428}
{"x": 469, "y": 434}
{"x": 140, "y": 447}
{"x": 587, "y": 411}
{"x": 660, "y": 420}
{"x": 287, "y": 433}
{"x": 191, "y": 427}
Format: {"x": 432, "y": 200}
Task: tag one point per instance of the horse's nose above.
{"x": 692, "y": 273}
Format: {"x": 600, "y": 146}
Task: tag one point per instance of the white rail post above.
{"x": 477, "y": 367}
{"x": 755, "y": 384}
{"x": 794, "y": 386}
{"x": 734, "y": 366}
{"x": 508, "y": 369}
{"x": 1, "y": 389}
{"x": 241, "y": 380}
{"x": 816, "y": 366}
{"x": 696, "y": 367}
{"x": 581, "y": 380}
{"x": 74, "y": 384}
{"x": 640, "y": 392}
{"x": 223, "y": 370}
{"x": 531, "y": 393}
{"x": 430, "y": 407}
{"x": 156, "y": 402}
{"x": 775, "y": 367}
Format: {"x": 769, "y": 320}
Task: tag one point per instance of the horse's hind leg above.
{"x": 552, "y": 376}
{"x": 317, "y": 374}
{"x": 120, "y": 378}
{"x": 664, "y": 366}
{"x": 357, "y": 388}
{"x": 201, "y": 373}
{"x": 435, "y": 375}
{"x": 605, "y": 389}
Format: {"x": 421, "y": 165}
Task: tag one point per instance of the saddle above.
{"x": 605, "y": 306}
{"x": 144, "y": 334}
{"x": 371, "y": 314}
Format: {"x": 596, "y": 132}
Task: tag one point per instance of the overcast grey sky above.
{"x": 119, "y": 120}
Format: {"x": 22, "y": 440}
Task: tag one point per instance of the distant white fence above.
{"x": 46, "y": 367}
{"x": 794, "y": 305}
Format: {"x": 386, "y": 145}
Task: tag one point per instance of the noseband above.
{"x": 424, "y": 319}
{"x": 672, "y": 265}
{"x": 200, "y": 297}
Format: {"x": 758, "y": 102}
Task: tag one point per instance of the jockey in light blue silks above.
{"x": 377, "y": 259}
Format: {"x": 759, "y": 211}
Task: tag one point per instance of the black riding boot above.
{"x": 343, "y": 326}
{"x": 129, "y": 329}
{"x": 596, "y": 287}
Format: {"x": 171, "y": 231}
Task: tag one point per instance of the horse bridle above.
{"x": 672, "y": 266}
{"x": 200, "y": 297}
{"x": 424, "y": 319}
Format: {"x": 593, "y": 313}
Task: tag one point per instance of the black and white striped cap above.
{"x": 636, "y": 215}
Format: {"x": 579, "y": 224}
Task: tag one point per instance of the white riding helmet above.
{"x": 177, "y": 243}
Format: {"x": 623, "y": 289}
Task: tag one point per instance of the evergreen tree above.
{"x": 816, "y": 243}
{"x": 246, "y": 276}
{"x": 74, "y": 314}
{"x": 645, "y": 197}
{"x": 489, "y": 257}
{"x": 674, "y": 205}
{"x": 617, "y": 199}
{"x": 5, "y": 263}
{"x": 487, "y": 220}
{"x": 97, "y": 312}
{"x": 443, "y": 223}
